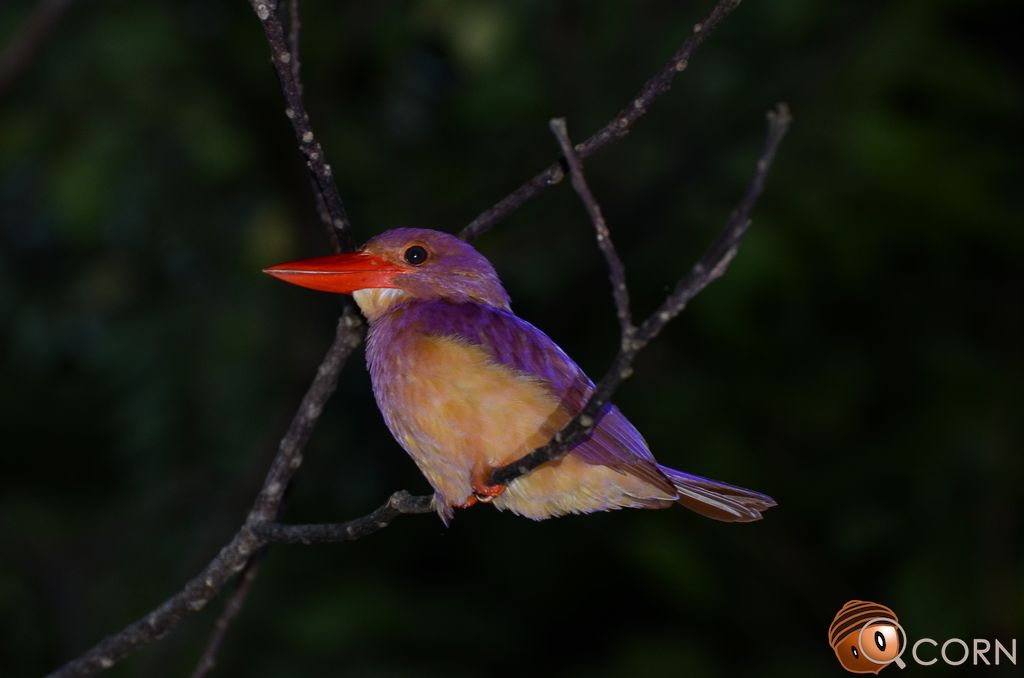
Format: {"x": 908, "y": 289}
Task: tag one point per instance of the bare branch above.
{"x": 615, "y": 129}
{"x": 260, "y": 527}
{"x": 715, "y": 261}
{"x": 710, "y": 267}
{"x": 281, "y": 57}
{"x": 400, "y": 503}
{"x": 294, "y": 30}
{"x": 616, "y": 271}
{"x": 348, "y": 336}
{"x": 232, "y": 608}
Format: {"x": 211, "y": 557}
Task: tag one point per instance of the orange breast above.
{"x": 464, "y": 413}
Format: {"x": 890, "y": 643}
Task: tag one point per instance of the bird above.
{"x": 466, "y": 386}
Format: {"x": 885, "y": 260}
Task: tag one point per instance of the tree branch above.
{"x": 616, "y": 271}
{"x": 400, "y": 503}
{"x": 710, "y": 267}
{"x": 295, "y": 111}
{"x": 260, "y": 527}
{"x": 615, "y": 129}
{"x": 232, "y": 608}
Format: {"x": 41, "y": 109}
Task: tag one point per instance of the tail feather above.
{"x": 717, "y": 500}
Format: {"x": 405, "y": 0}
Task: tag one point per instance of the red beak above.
{"x": 340, "y": 273}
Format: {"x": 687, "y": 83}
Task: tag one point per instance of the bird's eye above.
{"x": 416, "y": 255}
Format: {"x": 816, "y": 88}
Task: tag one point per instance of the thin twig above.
{"x": 615, "y": 129}
{"x": 616, "y": 271}
{"x": 710, "y": 267}
{"x": 208, "y": 660}
{"x": 348, "y": 336}
{"x": 294, "y": 30}
{"x": 400, "y": 503}
{"x": 295, "y": 111}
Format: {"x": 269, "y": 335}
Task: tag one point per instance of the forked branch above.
{"x": 710, "y": 267}
{"x": 614, "y": 129}
{"x": 260, "y": 527}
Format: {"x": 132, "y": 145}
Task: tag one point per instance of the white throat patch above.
{"x": 376, "y": 300}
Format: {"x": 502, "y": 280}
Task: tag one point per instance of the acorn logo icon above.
{"x": 867, "y": 637}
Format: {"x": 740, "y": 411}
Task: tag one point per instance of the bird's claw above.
{"x": 470, "y": 501}
{"x": 482, "y": 493}
{"x": 485, "y": 494}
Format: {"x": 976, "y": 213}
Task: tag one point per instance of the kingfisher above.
{"x": 466, "y": 386}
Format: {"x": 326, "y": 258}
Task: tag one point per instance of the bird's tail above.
{"x": 717, "y": 500}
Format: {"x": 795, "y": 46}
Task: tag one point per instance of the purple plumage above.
{"x": 466, "y": 386}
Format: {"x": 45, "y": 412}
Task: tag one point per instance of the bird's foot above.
{"x": 470, "y": 501}
{"x": 486, "y": 493}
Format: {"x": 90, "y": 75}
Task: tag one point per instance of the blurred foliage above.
{"x": 862, "y": 360}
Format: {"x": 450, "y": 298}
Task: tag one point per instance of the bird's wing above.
{"x": 514, "y": 343}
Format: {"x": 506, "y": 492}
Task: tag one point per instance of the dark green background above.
{"x": 861, "y": 361}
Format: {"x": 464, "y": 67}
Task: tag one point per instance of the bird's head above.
{"x": 399, "y": 265}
